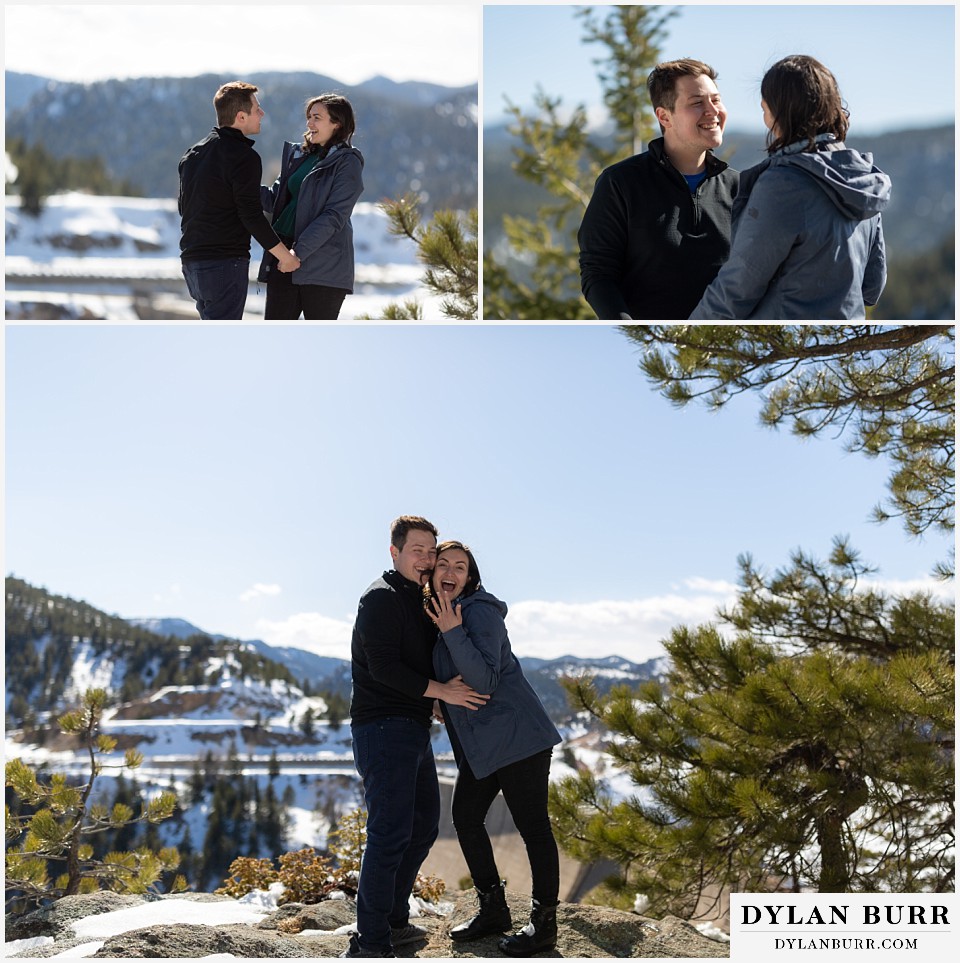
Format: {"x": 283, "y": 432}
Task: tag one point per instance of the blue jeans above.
{"x": 395, "y": 760}
{"x": 219, "y": 287}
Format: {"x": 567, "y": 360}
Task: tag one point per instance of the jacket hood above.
{"x": 857, "y": 187}
{"x": 483, "y": 597}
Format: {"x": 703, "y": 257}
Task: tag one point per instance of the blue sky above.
{"x": 894, "y": 63}
{"x": 348, "y": 42}
{"x": 244, "y": 478}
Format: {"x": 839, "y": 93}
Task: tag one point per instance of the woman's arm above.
{"x": 875, "y": 274}
{"x": 765, "y": 233}
{"x": 476, "y": 649}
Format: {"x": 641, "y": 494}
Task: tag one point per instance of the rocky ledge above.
{"x": 319, "y": 930}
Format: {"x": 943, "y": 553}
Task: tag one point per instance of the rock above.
{"x": 54, "y": 920}
{"x": 583, "y": 932}
{"x": 329, "y": 915}
{"x": 193, "y": 941}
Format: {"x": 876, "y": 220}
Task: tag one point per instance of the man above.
{"x": 220, "y": 209}
{"x": 657, "y": 228}
{"x": 391, "y": 710}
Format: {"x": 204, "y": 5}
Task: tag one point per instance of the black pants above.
{"x": 286, "y": 301}
{"x": 524, "y": 787}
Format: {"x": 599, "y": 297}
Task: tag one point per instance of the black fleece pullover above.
{"x": 648, "y": 246}
{"x": 219, "y": 199}
{"x": 392, "y": 652}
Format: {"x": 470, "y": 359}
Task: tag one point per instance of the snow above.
{"x": 172, "y": 911}
{"x": 175, "y": 911}
{"x": 85, "y": 255}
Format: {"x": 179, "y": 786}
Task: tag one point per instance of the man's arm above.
{"x": 603, "y": 247}
{"x": 245, "y": 183}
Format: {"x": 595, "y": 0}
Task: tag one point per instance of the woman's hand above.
{"x": 438, "y": 713}
{"x": 456, "y": 692}
{"x": 444, "y": 614}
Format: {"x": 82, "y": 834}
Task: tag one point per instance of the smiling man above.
{"x": 219, "y": 205}
{"x": 391, "y": 711}
{"x": 657, "y": 228}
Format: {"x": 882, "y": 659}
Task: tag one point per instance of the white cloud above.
{"x": 634, "y": 629}
{"x": 259, "y": 590}
{"x": 942, "y": 591}
{"x": 312, "y": 631}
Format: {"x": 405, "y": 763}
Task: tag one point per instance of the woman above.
{"x": 807, "y": 241}
{"x": 311, "y": 203}
{"x": 504, "y": 746}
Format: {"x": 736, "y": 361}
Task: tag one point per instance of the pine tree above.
{"x": 561, "y": 156}
{"x": 447, "y": 246}
{"x": 807, "y": 740}
{"x": 888, "y": 388}
{"x": 64, "y": 820}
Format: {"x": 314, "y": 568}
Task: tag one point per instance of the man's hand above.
{"x": 438, "y": 713}
{"x": 456, "y": 692}
{"x": 288, "y": 262}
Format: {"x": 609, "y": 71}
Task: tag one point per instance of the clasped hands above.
{"x": 288, "y": 262}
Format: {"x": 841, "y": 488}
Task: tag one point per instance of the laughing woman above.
{"x": 505, "y": 746}
{"x": 311, "y": 203}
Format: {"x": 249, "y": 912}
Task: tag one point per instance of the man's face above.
{"x": 696, "y": 123}
{"x": 416, "y": 559}
{"x": 248, "y": 121}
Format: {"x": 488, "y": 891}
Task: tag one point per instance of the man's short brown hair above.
{"x": 405, "y": 524}
{"x": 662, "y": 82}
{"x": 230, "y": 99}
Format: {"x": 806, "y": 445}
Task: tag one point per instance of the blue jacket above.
{"x": 513, "y": 724}
{"x": 323, "y": 236}
{"x": 807, "y": 240}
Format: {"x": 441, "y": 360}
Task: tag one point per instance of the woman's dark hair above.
{"x": 804, "y": 99}
{"x": 341, "y": 112}
{"x": 473, "y": 571}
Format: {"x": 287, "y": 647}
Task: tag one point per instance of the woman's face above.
{"x": 450, "y": 573}
{"x": 320, "y": 128}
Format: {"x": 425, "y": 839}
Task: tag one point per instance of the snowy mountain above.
{"x": 321, "y": 672}
{"x": 413, "y": 136}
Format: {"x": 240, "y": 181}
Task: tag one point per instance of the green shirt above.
{"x": 285, "y": 224}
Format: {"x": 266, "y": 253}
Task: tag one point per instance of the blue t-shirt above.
{"x": 694, "y": 180}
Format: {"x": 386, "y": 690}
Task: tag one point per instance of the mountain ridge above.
{"x": 154, "y": 653}
{"x": 415, "y": 136}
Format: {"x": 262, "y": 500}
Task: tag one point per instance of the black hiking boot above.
{"x": 494, "y": 917}
{"x": 538, "y": 935}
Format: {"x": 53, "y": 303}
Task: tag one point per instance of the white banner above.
{"x": 825, "y": 925}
